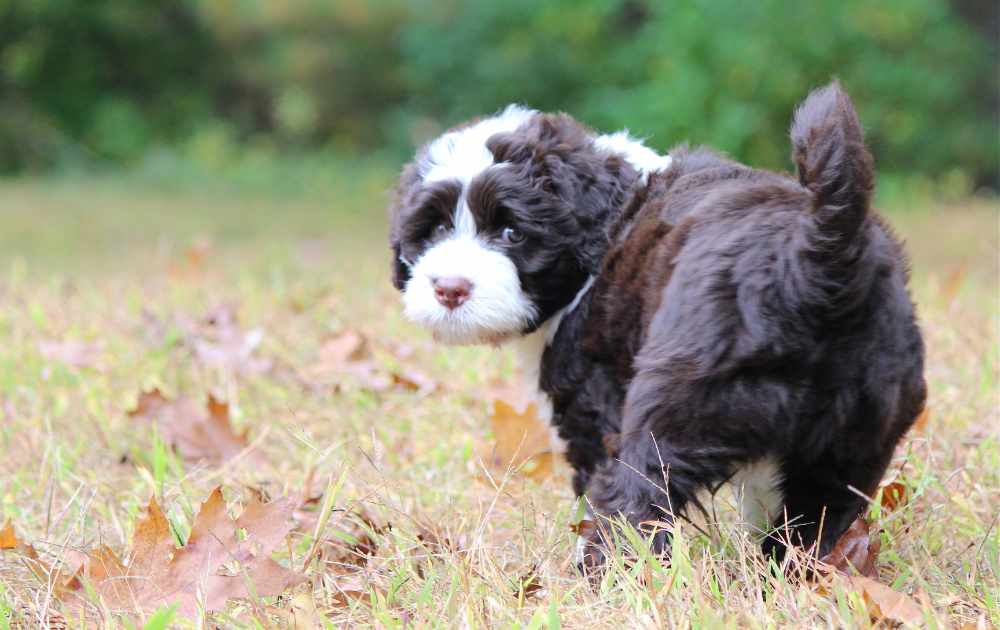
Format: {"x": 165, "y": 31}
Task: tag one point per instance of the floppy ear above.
{"x": 594, "y": 183}
{"x": 409, "y": 180}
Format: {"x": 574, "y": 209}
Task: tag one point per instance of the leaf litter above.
{"x": 223, "y": 559}
{"x": 198, "y": 432}
{"x": 348, "y": 356}
{"x": 219, "y": 341}
{"x": 853, "y": 562}
{"x": 521, "y": 441}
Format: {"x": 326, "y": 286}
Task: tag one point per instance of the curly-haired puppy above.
{"x": 713, "y": 321}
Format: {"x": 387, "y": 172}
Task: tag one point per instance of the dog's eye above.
{"x": 440, "y": 230}
{"x": 512, "y": 235}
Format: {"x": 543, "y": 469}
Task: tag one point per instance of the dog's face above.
{"x": 498, "y": 224}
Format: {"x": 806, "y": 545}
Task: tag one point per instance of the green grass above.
{"x": 92, "y": 260}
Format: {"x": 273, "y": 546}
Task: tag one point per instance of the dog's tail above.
{"x": 832, "y": 161}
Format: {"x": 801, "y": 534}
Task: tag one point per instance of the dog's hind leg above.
{"x": 658, "y": 475}
{"x": 823, "y": 496}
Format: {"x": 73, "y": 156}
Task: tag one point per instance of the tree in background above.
{"x": 109, "y": 81}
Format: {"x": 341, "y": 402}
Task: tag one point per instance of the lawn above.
{"x": 110, "y": 288}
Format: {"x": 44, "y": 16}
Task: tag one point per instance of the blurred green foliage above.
{"x": 112, "y": 82}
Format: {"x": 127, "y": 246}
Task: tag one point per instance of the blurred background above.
{"x": 253, "y": 90}
{"x": 141, "y": 130}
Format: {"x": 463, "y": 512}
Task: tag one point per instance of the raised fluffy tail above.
{"x": 832, "y": 161}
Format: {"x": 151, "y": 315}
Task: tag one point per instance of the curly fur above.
{"x": 736, "y": 316}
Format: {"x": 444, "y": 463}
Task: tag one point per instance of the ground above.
{"x": 132, "y": 271}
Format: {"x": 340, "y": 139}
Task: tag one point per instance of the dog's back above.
{"x": 777, "y": 328}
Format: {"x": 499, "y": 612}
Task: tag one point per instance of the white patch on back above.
{"x": 757, "y": 487}
{"x": 641, "y": 157}
{"x": 463, "y": 154}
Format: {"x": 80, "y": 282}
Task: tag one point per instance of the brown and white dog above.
{"x": 715, "y": 321}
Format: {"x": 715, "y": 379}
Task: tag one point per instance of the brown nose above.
{"x": 452, "y": 291}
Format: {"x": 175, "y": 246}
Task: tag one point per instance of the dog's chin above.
{"x": 454, "y": 329}
{"x": 483, "y": 338}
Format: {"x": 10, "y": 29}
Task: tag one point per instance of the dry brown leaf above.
{"x": 10, "y": 542}
{"x": 193, "y": 263}
{"x": 350, "y": 587}
{"x": 8, "y": 539}
{"x": 528, "y": 585}
{"x": 521, "y": 441}
{"x": 307, "y": 513}
{"x": 886, "y": 604}
{"x": 76, "y": 354}
{"x": 356, "y": 543}
{"x": 414, "y": 381}
{"x": 347, "y": 347}
{"x": 159, "y": 574}
{"x": 920, "y": 424}
{"x": 349, "y": 354}
{"x": 219, "y": 341}
{"x": 856, "y": 551}
{"x": 894, "y": 495}
{"x": 299, "y": 614}
{"x": 197, "y": 432}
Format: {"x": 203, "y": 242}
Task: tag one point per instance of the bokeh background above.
{"x": 175, "y": 89}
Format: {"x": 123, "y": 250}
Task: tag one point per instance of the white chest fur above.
{"x": 529, "y": 350}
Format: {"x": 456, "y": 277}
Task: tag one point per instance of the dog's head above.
{"x": 497, "y": 224}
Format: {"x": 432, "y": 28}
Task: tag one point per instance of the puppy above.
{"x": 712, "y": 321}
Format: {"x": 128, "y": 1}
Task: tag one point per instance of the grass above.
{"x": 104, "y": 261}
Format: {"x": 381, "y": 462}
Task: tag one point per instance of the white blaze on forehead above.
{"x": 465, "y": 223}
{"x": 463, "y": 154}
{"x": 641, "y": 157}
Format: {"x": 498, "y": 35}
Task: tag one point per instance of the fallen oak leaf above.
{"x": 347, "y": 347}
{"x": 8, "y": 539}
{"x": 196, "y": 432}
{"x": 349, "y": 353}
{"x": 415, "y": 382}
{"x": 353, "y": 586}
{"x": 219, "y": 341}
{"x": 299, "y": 613}
{"x": 307, "y": 513}
{"x": 161, "y": 574}
{"x": 521, "y": 441}
{"x": 356, "y": 542}
{"x": 339, "y": 353}
{"x": 886, "y": 604}
{"x": 855, "y": 551}
{"x": 894, "y": 495}
{"x": 60, "y": 579}
{"x": 234, "y": 352}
